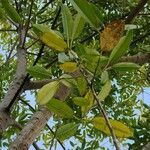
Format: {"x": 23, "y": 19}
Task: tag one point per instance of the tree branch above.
{"x": 139, "y": 59}
{"x": 33, "y": 110}
{"x": 31, "y": 130}
{"x": 135, "y": 11}
{"x": 37, "y": 123}
{"x": 147, "y": 147}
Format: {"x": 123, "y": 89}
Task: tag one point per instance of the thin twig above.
{"x": 13, "y": 47}
{"x": 101, "y": 109}
{"x": 57, "y": 16}
{"x": 7, "y": 30}
{"x": 43, "y": 8}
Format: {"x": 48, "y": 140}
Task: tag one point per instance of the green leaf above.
{"x": 3, "y": 16}
{"x": 80, "y": 101}
{"x": 39, "y": 72}
{"x": 90, "y": 101}
{"x": 87, "y": 12}
{"x": 125, "y": 66}
{"x": 77, "y": 26}
{"x": 105, "y": 91}
{"x": 60, "y": 108}
{"x": 66, "y": 131}
{"x": 46, "y": 93}
{"x": 68, "y": 80}
{"x": 81, "y": 85}
{"x": 11, "y": 11}
{"x": 67, "y": 22}
{"x": 104, "y": 77}
{"x": 121, "y": 130}
{"x": 121, "y": 48}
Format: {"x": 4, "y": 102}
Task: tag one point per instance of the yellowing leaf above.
{"x": 90, "y": 101}
{"x": 54, "y": 41}
{"x": 60, "y": 108}
{"x": 111, "y": 35}
{"x": 66, "y": 131}
{"x": 81, "y": 85}
{"x": 105, "y": 90}
{"x": 69, "y": 66}
{"x": 121, "y": 130}
{"x": 49, "y": 37}
{"x": 46, "y": 93}
{"x": 80, "y": 101}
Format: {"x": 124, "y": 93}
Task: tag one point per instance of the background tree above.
{"x": 80, "y": 64}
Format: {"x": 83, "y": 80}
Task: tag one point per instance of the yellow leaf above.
{"x": 46, "y": 93}
{"x": 111, "y": 35}
{"x": 49, "y": 37}
{"x": 90, "y": 101}
{"x": 121, "y": 130}
{"x": 69, "y": 66}
{"x": 54, "y": 41}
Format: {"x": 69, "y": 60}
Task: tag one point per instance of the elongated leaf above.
{"x": 121, "y": 48}
{"x": 10, "y": 10}
{"x": 121, "y": 130}
{"x": 60, "y": 108}
{"x": 69, "y": 66}
{"x": 80, "y": 101}
{"x": 3, "y": 16}
{"x": 105, "y": 90}
{"x": 125, "y": 66}
{"x": 90, "y": 101}
{"x": 86, "y": 11}
{"x": 46, "y": 93}
{"x": 77, "y": 26}
{"x": 49, "y": 37}
{"x": 66, "y": 131}
{"x": 104, "y": 77}
{"x": 39, "y": 72}
{"x": 81, "y": 85}
{"x": 67, "y": 22}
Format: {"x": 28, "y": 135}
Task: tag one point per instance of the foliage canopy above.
{"x": 83, "y": 63}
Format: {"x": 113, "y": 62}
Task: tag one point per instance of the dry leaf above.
{"x": 111, "y": 35}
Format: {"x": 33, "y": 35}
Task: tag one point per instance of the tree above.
{"x": 84, "y": 63}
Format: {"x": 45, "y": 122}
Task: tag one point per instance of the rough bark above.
{"x": 147, "y": 146}
{"x": 15, "y": 85}
{"x": 34, "y": 127}
{"x": 37, "y": 123}
{"x": 139, "y": 59}
{"x": 31, "y": 130}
